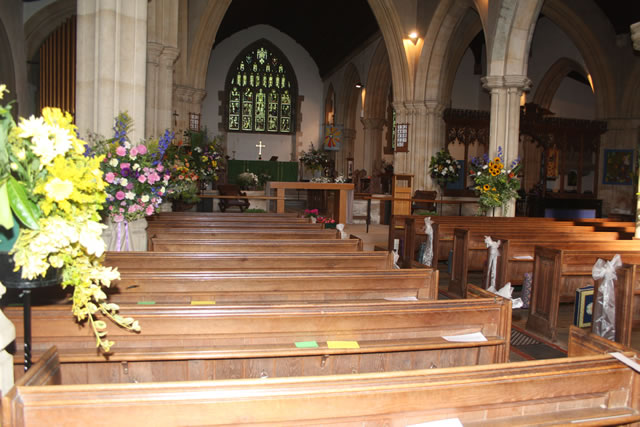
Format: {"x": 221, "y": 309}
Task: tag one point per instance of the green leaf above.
{"x": 6, "y": 217}
{"x": 26, "y": 211}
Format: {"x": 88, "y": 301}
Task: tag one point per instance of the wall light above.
{"x": 359, "y": 85}
{"x": 413, "y": 36}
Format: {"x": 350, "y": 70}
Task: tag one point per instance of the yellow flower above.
{"x": 497, "y": 160}
{"x": 58, "y": 189}
{"x": 3, "y": 89}
{"x": 486, "y": 187}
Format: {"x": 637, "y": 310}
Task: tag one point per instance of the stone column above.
{"x": 372, "y": 142}
{"x": 153, "y": 64}
{"x": 348, "y": 150}
{"x": 504, "y": 127}
{"x": 635, "y": 35}
{"x": 187, "y": 100}
{"x": 111, "y": 64}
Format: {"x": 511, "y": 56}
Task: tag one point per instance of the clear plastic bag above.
{"x": 604, "y": 309}
{"x": 427, "y": 254}
{"x": 492, "y": 263}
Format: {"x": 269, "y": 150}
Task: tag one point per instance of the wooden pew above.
{"x": 147, "y": 286}
{"x": 192, "y": 261}
{"x": 585, "y": 343}
{"x": 581, "y": 391}
{"x": 517, "y": 255}
{"x": 226, "y": 234}
{"x": 179, "y": 244}
{"x": 559, "y": 272}
{"x": 227, "y": 216}
{"x": 250, "y": 225}
{"x": 244, "y": 341}
{"x": 470, "y": 252}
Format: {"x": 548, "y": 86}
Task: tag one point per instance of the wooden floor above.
{"x": 377, "y": 237}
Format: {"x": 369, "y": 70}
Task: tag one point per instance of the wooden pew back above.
{"x": 180, "y": 244}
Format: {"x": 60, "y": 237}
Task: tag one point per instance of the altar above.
{"x": 278, "y": 171}
{"x": 343, "y": 208}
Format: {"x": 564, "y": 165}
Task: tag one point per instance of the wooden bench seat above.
{"x": 227, "y": 216}
{"x": 146, "y": 286}
{"x": 558, "y": 272}
{"x": 192, "y": 261}
{"x": 470, "y": 252}
{"x": 241, "y": 341}
{"x": 582, "y": 391}
{"x": 282, "y": 234}
{"x": 180, "y": 244}
{"x": 159, "y": 224}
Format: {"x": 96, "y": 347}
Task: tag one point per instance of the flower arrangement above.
{"x": 321, "y": 179}
{"x": 315, "y": 159}
{"x": 54, "y": 194}
{"x": 206, "y": 156}
{"x": 444, "y": 168}
{"x": 311, "y": 213}
{"x": 247, "y": 180}
{"x": 495, "y": 184}
{"x": 137, "y": 178}
{"x": 340, "y": 179}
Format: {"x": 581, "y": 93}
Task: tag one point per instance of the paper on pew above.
{"x": 409, "y": 298}
{"x": 473, "y": 337}
{"x": 449, "y": 422}
{"x": 528, "y": 257}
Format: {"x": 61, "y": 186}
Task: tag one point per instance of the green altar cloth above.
{"x": 278, "y": 171}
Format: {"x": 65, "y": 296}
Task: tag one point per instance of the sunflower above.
{"x": 497, "y": 160}
{"x": 486, "y": 187}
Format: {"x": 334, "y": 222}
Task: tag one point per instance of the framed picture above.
{"x": 402, "y": 137}
{"x": 194, "y": 122}
{"x": 618, "y": 167}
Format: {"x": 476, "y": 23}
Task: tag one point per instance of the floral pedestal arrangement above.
{"x": 126, "y": 236}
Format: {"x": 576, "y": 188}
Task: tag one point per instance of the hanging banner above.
{"x": 332, "y": 137}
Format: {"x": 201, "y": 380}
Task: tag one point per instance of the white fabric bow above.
{"x": 427, "y": 256}
{"x": 492, "y": 263}
{"x": 396, "y": 257}
{"x": 340, "y": 228}
{"x": 604, "y": 309}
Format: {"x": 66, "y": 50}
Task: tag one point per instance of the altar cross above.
{"x": 260, "y": 146}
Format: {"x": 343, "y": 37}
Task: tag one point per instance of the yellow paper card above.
{"x": 203, "y": 302}
{"x": 343, "y": 344}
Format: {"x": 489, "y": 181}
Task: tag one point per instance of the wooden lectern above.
{"x": 401, "y": 189}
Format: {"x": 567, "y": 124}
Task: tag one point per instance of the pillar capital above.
{"x": 373, "y": 123}
{"x": 191, "y": 95}
{"x": 169, "y": 55}
{"x": 434, "y": 107}
{"x": 153, "y": 52}
{"x": 506, "y": 82}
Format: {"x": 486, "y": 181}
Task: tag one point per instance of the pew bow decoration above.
{"x": 492, "y": 263}
{"x": 604, "y": 310}
{"x": 427, "y": 256}
{"x": 340, "y": 228}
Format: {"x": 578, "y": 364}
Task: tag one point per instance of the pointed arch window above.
{"x": 261, "y": 89}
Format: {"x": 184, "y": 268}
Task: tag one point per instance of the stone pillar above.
{"x": 372, "y": 142}
{"x": 426, "y": 136}
{"x": 187, "y": 100}
{"x": 635, "y": 35}
{"x": 348, "y": 149}
{"x": 160, "y": 88}
{"x": 504, "y": 127}
{"x": 7, "y": 336}
{"x": 111, "y": 64}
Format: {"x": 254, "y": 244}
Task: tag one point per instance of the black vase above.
{"x": 13, "y": 279}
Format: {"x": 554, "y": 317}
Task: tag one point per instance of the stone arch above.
{"x": 39, "y": 26}
{"x": 509, "y": 40}
{"x": 586, "y": 30}
{"x": 552, "y": 79}
{"x": 392, "y": 34}
{"x": 378, "y": 83}
{"x": 200, "y": 52}
{"x": 630, "y": 105}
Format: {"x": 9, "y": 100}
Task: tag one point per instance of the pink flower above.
{"x": 142, "y": 149}
{"x": 132, "y": 209}
{"x": 133, "y": 152}
{"x": 130, "y": 186}
{"x": 121, "y": 151}
{"x": 125, "y": 165}
{"x": 118, "y": 218}
{"x": 110, "y": 208}
{"x": 153, "y": 178}
{"x": 149, "y": 210}
{"x": 120, "y": 195}
{"x": 142, "y": 178}
{"x": 109, "y": 177}
{"x": 160, "y": 168}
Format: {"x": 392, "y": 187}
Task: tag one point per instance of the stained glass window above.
{"x": 261, "y": 91}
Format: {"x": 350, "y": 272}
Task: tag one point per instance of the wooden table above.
{"x": 344, "y": 201}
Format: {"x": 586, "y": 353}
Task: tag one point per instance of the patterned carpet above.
{"x": 530, "y": 348}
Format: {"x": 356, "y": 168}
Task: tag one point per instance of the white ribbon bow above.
{"x": 396, "y": 257}
{"x": 604, "y": 309}
{"x": 340, "y": 228}
{"x": 492, "y": 263}
{"x": 427, "y": 256}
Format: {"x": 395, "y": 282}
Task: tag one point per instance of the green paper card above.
{"x": 306, "y": 344}
{"x": 146, "y": 302}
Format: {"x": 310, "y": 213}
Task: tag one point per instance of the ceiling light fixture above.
{"x": 413, "y": 36}
{"x": 359, "y": 85}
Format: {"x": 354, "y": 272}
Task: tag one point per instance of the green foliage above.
{"x": 443, "y": 168}
{"x": 495, "y": 184}
{"x": 315, "y": 159}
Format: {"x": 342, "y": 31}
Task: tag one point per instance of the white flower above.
{"x": 130, "y": 195}
{"x": 91, "y": 238}
{"x": 145, "y": 198}
{"x": 485, "y": 167}
{"x": 127, "y": 145}
{"x": 113, "y": 162}
{"x": 61, "y": 140}
{"x": 124, "y": 182}
{"x": 135, "y": 167}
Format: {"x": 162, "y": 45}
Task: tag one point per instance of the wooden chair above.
{"x": 232, "y": 190}
{"x": 426, "y": 195}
